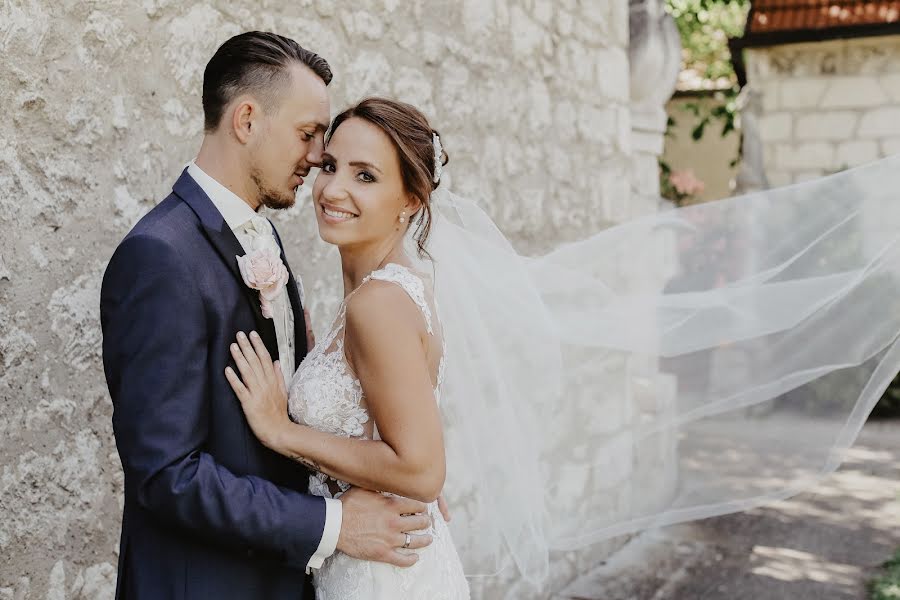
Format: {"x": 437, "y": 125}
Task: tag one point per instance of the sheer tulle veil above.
{"x": 581, "y": 403}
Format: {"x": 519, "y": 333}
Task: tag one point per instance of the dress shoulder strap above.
{"x": 411, "y": 283}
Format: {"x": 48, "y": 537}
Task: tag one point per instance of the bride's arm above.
{"x": 384, "y": 338}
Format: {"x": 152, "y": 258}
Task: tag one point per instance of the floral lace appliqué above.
{"x": 326, "y": 395}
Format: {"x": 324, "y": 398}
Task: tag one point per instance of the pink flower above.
{"x": 263, "y": 270}
{"x": 686, "y": 183}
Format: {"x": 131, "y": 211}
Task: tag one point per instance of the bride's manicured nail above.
{"x": 241, "y": 335}
{"x": 254, "y": 335}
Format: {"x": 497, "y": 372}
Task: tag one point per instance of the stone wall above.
{"x": 826, "y": 106}
{"x": 103, "y": 110}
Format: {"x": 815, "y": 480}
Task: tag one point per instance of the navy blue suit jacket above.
{"x": 209, "y": 512}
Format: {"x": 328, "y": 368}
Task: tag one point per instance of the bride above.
{"x": 366, "y": 398}
{"x": 752, "y": 357}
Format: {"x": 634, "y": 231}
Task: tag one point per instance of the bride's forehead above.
{"x": 359, "y": 131}
{"x": 356, "y": 138}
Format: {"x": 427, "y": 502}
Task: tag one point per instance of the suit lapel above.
{"x": 229, "y": 248}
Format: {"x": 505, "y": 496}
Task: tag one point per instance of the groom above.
{"x": 209, "y": 512}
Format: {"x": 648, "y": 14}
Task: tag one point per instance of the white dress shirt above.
{"x": 252, "y": 231}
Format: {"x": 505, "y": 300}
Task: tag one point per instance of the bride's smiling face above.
{"x": 358, "y": 195}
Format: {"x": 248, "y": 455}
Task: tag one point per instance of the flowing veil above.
{"x": 581, "y": 403}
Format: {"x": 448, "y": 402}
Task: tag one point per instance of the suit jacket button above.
{"x": 251, "y": 553}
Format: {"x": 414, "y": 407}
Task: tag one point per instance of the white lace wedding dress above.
{"x": 326, "y": 395}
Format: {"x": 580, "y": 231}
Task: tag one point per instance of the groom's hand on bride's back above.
{"x": 374, "y": 527}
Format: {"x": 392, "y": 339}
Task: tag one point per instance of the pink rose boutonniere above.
{"x": 263, "y": 270}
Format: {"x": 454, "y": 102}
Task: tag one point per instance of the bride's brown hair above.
{"x": 412, "y": 137}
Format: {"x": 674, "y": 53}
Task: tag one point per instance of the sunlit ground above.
{"x": 824, "y": 544}
{"x": 792, "y": 565}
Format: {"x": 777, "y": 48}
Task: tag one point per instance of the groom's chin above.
{"x": 280, "y": 202}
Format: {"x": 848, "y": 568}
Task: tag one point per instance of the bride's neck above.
{"x": 359, "y": 262}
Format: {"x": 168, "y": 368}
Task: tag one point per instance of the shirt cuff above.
{"x": 334, "y": 514}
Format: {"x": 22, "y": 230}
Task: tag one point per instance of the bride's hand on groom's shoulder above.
{"x": 260, "y": 388}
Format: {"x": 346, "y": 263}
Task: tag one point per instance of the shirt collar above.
{"x": 235, "y": 211}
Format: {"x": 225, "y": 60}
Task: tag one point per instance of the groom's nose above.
{"x": 316, "y": 150}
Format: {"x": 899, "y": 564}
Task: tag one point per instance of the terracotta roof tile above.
{"x": 799, "y": 15}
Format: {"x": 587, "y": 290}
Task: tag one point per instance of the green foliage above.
{"x": 887, "y": 587}
{"x": 704, "y": 27}
{"x": 666, "y": 189}
{"x": 725, "y": 112}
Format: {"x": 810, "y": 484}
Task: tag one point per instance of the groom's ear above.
{"x": 245, "y": 118}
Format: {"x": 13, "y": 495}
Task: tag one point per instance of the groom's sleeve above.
{"x": 155, "y": 354}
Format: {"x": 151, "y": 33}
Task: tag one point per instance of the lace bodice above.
{"x": 325, "y": 393}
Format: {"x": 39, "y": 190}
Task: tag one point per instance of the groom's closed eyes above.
{"x": 309, "y": 130}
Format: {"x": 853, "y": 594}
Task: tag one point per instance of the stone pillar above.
{"x": 655, "y": 60}
{"x": 751, "y": 175}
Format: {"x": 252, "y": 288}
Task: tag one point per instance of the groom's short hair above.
{"x": 254, "y": 62}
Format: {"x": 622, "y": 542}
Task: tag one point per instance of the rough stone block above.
{"x": 809, "y": 175}
{"x": 771, "y": 95}
{"x": 598, "y": 125}
{"x": 890, "y": 146}
{"x": 880, "y": 122}
{"x": 617, "y": 462}
{"x": 611, "y": 73}
{"x": 528, "y": 34}
{"x": 618, "y": 24}
{"x": 413, "y": 86}
{"x": 891, "y": 85}
{"x": 543, "y": 11}
{"x": 802, "y": 93}
{"x": 835, "y": 125}
{"x": 16, "y": 344}
{"x": 565, "y": 23}
{"x": 96, "y": 582}
{"x": 778, "y": 178}
{"x": 775, "y": 127}
{"x": 362, "y": 24}
{"x": 853, "y": 92}
{"x": 57, "y": 586}
{"x": 810, "y": 155}
{"x": 758, "y": 65}
{"x": 597, "y": 13}
{"x": 640, "y": 205}
{"x": 855, "y": 153}
{"x": 76, "y": 320}
{"x": 477, "y": 16}
{"x": 369, "y": 73}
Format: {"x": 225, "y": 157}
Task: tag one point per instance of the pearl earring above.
{"x": 403, "y": 217}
